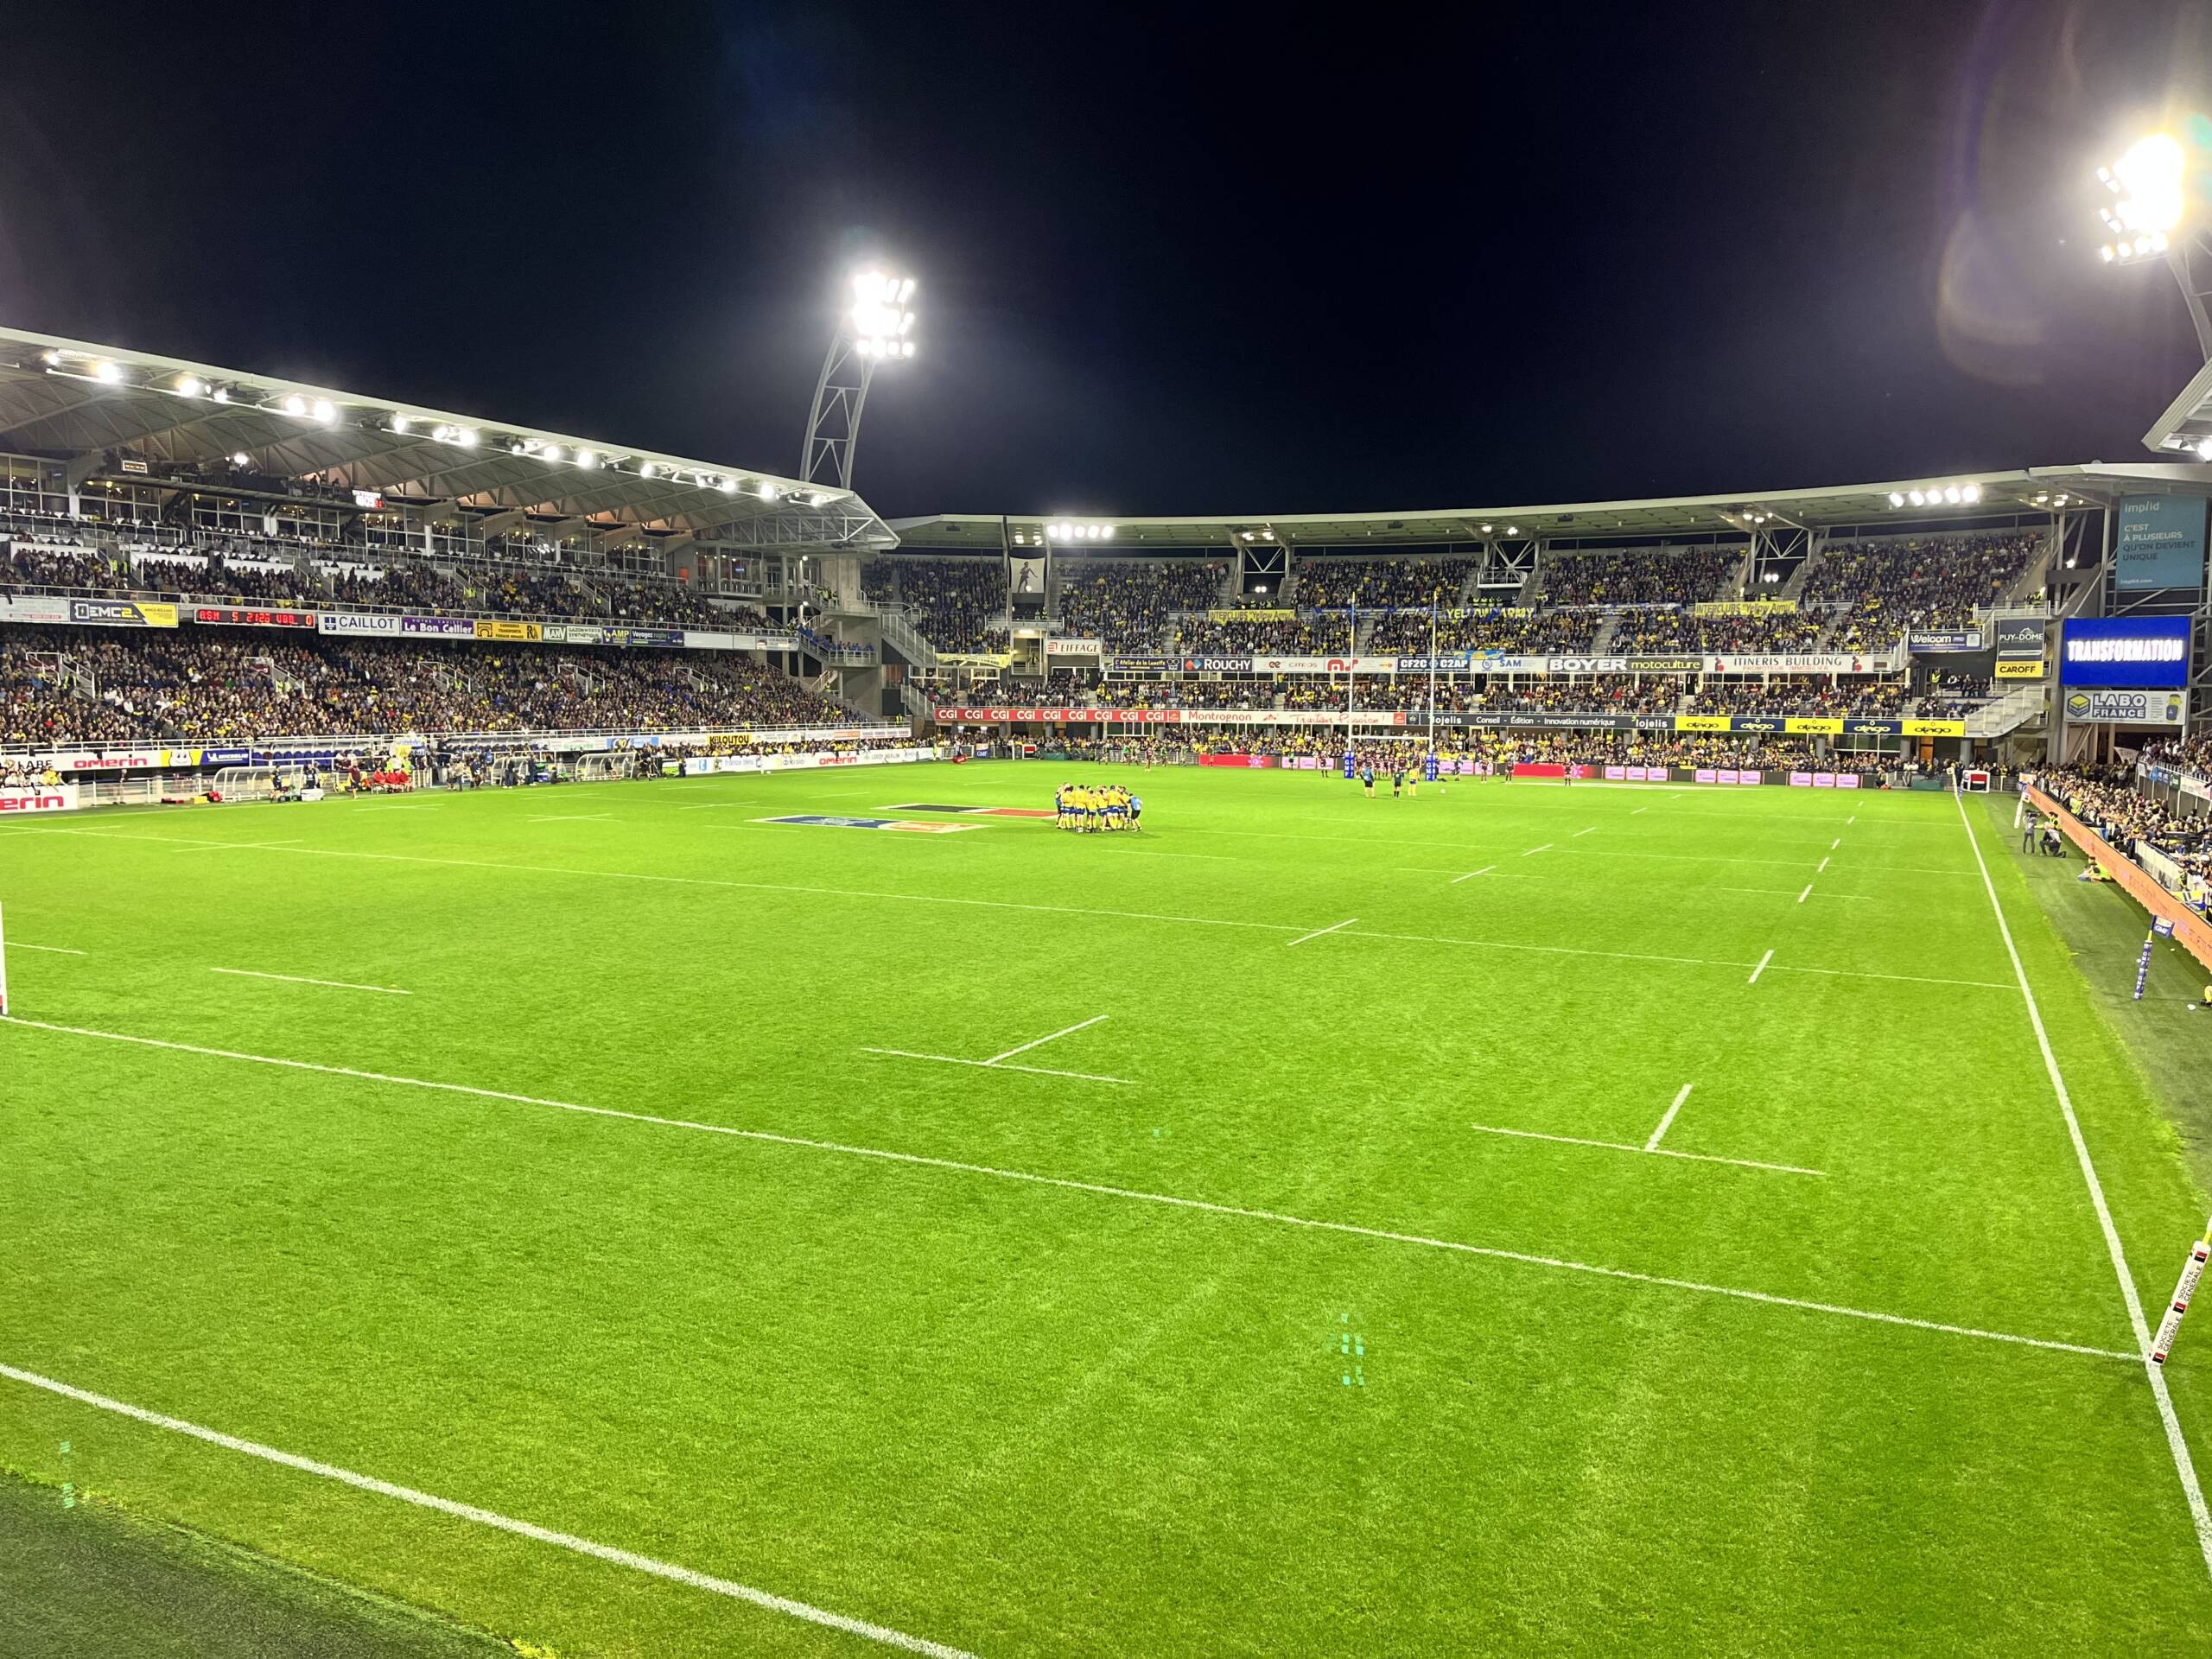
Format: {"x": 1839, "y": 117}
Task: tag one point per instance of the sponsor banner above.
{"x": 649, "y": 639}
{"x": 1444, "y": 662}
{"x": 515, "y": 633}
{"x": 1744, "y": 607}
{"x": 1144, "y": 664}
{"x": 1074, "y": 647}
{"x": 2137, "y": 653}
{"x": 122, "y": 614}
{"x": 1932, "y": 727}
{"x": 1872, "y": 728}
{"x": 1484, "y": 613}
{"x": 1942, "y": 639}
{"x": 242, "y": 616}
{"x": 1846, "y": 780}
{"x": 1666, "y": 664}
{"x": 1585, "y": 665}
{"x": 2019, "y": 636}
{"x": 49, "y": 798}
{"x": 1252, "y": 616}
{"x": 1804, "y": 662}
{"x": 711, "y": 639}
{"x": 572, "y": 633}
{"x": 2161, "y": 542}
{"x": 348, "y": 623}
{"x": 1757, "y": 722}
{"x": 1817, "y": 725}
{"x": 33, "y": 608}
{"x": 1824, "y": 781}
{"x": 1704, "y": 775}
{"x": 1801, "y": 781}
{"x": 450, "y": 628}
{"x": 121, "y": 759}
{"x": 226, "y": 757}
{"x": 1254, "y": 762}
{"x": 2019, "y": 668}
{"x": 1701, "y": 723}
{"x": 1291, "y": 664}
{"x": 1218, "y": 664}
{"x": 2085, "y": 707}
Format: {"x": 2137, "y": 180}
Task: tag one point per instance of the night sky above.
{"x": 1280, "y": 261}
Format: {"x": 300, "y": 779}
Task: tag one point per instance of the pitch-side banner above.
{"x": 33, "y": 608}
{"x": 22, "y": 803}
{"x": 370, "y": 626}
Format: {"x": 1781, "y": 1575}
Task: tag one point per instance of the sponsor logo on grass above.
{"x": 815, "y": 820}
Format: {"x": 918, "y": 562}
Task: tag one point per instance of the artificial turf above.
{"x": 1050, "y": 1417}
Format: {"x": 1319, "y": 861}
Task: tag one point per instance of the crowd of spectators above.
{"x": 1128, "y": 603}
{"x": 958, "y": 604}
{"x": 60, "y": 687}
{"x": 1197, "y": 636}
{"x": 1681, "y": 631}
{"x": 1656, "y": 575}
{"x": 2109, "y": 800}
{"x": 1326, "y": 583}
{"x": 1888, "y": 587}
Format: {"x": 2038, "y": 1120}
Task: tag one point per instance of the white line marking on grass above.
{"x": 211, "y": 846}
{"x": 1761, "y": 968}
{"x": 574, "y": 817}
{"x": 1582, "y": 832}
{"x": 1853, "y": 819}
{"x": 391, "y": 809}
{"x": 1837, "y": 842}
{"x": 1318, "y": 931}
{"x": 713, "y": 881}
{"x": 1823, "y": 868}
{"x": 1655, "y": 1152}
{"x": 1640, "y": 808}
{"x": 55, "y": 950}
{"x": 1547, "y": 949}
{"x": 296, "y": 979}
{"x": 1908, "y": 979}
{"x": 637, "y": 1563}
{"x": 2184, "y": 1466}
{"x": 1471, "y": 874}
{"x": 1808, "y": 894}
{"x": 1533, "y": 851}
{"x": 1038, "y": 1042}
{"x": 1100, "y": 1189}
{"x": 1666, "y": 1122}
{"x": 994, "y": 1065}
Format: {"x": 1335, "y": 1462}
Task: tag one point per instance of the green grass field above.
{"x": 1029, "y": 1362}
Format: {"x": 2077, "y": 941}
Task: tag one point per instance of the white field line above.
{"x": 391, "y": 809}
{"x": 1471, "y": 874}
{"x": 1853, "y": 819}
{"x": 713, "y": 881}
{"x": 1907, "y": 979}
{"x": 574, "y": 817}
{"x": 995, "y": 1066}
{"x": 1655, "y": 1152}
{"x": 1318, "y": 931}
{"x": 1808, "y": 894}
{"x": 53, "y": 950}
{"x": 2185, "y": 1467}
{"x": 1546, "y": 950}
{"x": 211, "y": 846}
{"x": 1640, "y": 808}
{"x": 1837, "y": 842}
{"x": 636, "y": 1563}
{"x": 1038, "y": 1042}
{"x": 1533, "y": 851}
{"x": 1761, "y": 968}
{"x": 1100, "y": 1189}
{"x": 1823, "y": 868}
{"x": 296, "y": 979}
{"x": 1218, "y": 858}
{"x": 1667, "y": 1122}
{"x": 1582, "y": 832}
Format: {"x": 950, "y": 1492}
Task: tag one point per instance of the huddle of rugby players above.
{"x": 1090, "y": 810}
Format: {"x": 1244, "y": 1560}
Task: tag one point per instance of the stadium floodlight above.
{"x": 587, "y": 459}
{"x": 1897, "y": 499}
{"x": 106, "y": 373}
{"x": 552, "y": 452}
{"x": 324, "y": 412}
{"x": 466, "y": 437}
{"x": 729, "y": 486}
{"x": 241, "y": 459}
{"x": 295, "y": 406}
{"x": 222, "y": 394}
{"x": 400, "y": 423}
{"x": 646, "y": 470}
{"x": 190, "y": 386}
{"x": 875, "y": 324}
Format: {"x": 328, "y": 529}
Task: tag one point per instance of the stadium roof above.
{"x": 2031, "y": 490}
{"x": 2186, "y": 427}
{"x": 68, "y": 399}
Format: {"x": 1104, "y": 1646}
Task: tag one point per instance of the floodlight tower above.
{"x": 2148, "y": 218}
{"x": 876, "y": 326}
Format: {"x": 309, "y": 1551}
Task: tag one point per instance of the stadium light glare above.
{"x": 241, "y": 459}
{"x": 222, "y": 394}
{"x": 401, "y": 423}
{"x": 2204, "y": 449}
{"x": 295, "y": 406}
{"x": 324, "y": 412}
{"x": 553, "y": 453}
{"x": 729, "y": 486}
{"x": 1897, "y": 497}
{"x": 106, "y": 373}
{"x": 1971, "y": 493}
{"x": 1513, "y": 530}
{"x": 767, "y": 491}
{"x": 587, "y": 459}
{"x": 880, "y": 320}
{"x": 190, "y": 386}
{"x": 51, "y": 359}
{"x": 466, "y": 437}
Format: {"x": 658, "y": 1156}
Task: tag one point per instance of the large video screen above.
{"x": 2137, "y": 652}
